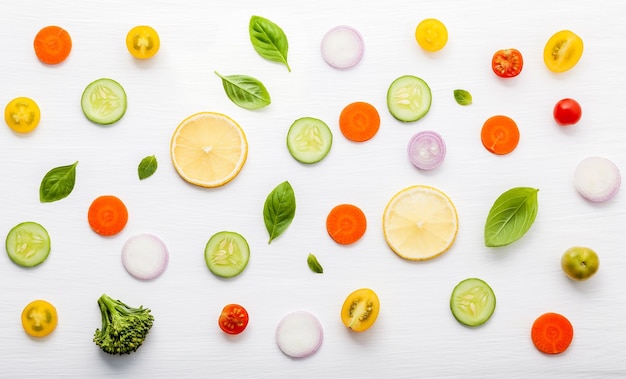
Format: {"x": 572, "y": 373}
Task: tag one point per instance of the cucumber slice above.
{"x": 309, "y": 140}
{"x": 28, "y": 244}
{"x": 104, "y": 101}
{"x": 227, "y": 254}
{"x": 408, "y": 98}
{"x": 472, "y": 302}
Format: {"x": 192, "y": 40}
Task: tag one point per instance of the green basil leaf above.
{"x": 462, "y": 97}
{"x": 511, "y": 215}
{"x": 245, "y": 91}
{"x": 314, "y": 265}
{"x": 279, "y": 209}
{"x": 147, "y": 167}
{"x": 269, "y": 40}
{"x": 58, "y": 183}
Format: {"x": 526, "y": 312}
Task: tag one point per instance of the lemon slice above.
{"x": 208, "y": 149}
{"x": 420, "y": 222}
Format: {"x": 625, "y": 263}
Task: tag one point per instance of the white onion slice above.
{"x": 597, "y": 179}
{"x": 426, "y": 150}
{"x": 342, "y": 47}
{"x": 299, "y": 334}
{"x": 145, "y": 256}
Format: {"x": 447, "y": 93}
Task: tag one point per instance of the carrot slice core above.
{"x": 52, "y": 44}
{"x": 346, "y": 224}
{"x": 107, "y": 215}
{"x": 500, "y": 135}
{"x": 552, "y": 333}
{"x": 359, "y": 121}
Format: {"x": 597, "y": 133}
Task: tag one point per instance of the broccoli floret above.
{"x": 124, "y": 328}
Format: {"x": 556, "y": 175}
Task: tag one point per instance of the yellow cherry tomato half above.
{"x": 360, "y": 310}
{"x": 431, "y": 34}
{"x": 562, "y": 51}
{"x": 39, "y": 318}
{"x": 143, "y": 42}
{"x": 22, "y": 114}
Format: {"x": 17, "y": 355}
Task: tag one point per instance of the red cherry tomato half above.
{"x": 233, "y": 319}
{"x": 567, "y": 112}
{"x": 507, "y": 63}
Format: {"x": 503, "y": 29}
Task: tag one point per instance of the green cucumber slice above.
{"x": 472, "y": 302}
{"x": 104, "y": 101}
{"x": 409, "y": 98}
{"x": 28, "y": 244}
{"x": 309, "y": 140}
{"x": 227, "y": 254}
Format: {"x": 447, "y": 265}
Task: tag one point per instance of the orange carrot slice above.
{"x": 107, "y": 215}
{"x": 359, "y": 121}
{"x": 552, "y": 333}
{"x": 52, "y": 44}
{"x": 346, "y": 224}
{"x": 500, "y": 135}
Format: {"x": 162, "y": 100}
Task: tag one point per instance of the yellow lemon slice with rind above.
{"x": 420, "y": 222}
{"x": 208, "y": 149}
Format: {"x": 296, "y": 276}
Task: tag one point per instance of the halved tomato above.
{"x": 507, "y": 63}
{"x": 22, "y": 114}
{"x": 562, "y": 51}
{"x": 360, "y": 310}
{"x": 143, "y": 42}
{"x": 39, "y": 318}
{"x": 233, "y": 319}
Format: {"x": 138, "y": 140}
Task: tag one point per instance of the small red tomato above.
{"x": 567, "y": 112}
{"x": 507, "y": 63}
{"x": 233, "y": 319}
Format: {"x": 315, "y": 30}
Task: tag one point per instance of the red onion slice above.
{"x": 299, "y": 334}
{"x": 426, "y": 150}
{"x": 342, "y": 47}
{"x": 145, "y": 256}
{"x": 597, "y": 179}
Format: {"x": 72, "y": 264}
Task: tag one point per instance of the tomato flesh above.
{"x": 22, "y": 114}
{"x": 431, "y": 34}
{"x": 567, "y": 112}
{"x": 507, "y": 63}
{"x": 360, "y": 310}
{"x": 39, "y": 318}
{"x": 143, "y": 42}
{"x": 563, "y": 51}
{"x": 233, "y": 319}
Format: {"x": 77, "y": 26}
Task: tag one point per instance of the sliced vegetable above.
{"x": 507, "y": 63}
{"x": 552, "y": 333}
{"x": 359, "y": 121}
{"x": 39, "y": 318}
{"x": 309, "y": 140}
{"x": 279, "y": 209}
{"x": 360, "y": 310}
{"x": 22, "y": 114}
{"x": 104, "y": 101}
{"x": 511, "y": 216}
{"x": 408, "y": 98}
{"x": 314, "y": 264}
{"x": 58, "y": 183}
{"x": 562, "y": 51}
{"x": 597, "y": 179}
{"x": 431, "y": 34}
{"x": 269, "y": 40}
{"x": 462, "y": 97}
{"x": 500, "y": 135}
{"x": 567, "y": 112}
{"x": 233, "y": 319}
{"x": 227, "y": 254}
{"x": 245, "y": 91}
{"x": 472, "y": 302}
{"x": 28, "y": 244}
{"x": 342, "y": 47}
{"x": 143, "y": 42}
{"x": 346, "y": 224}
{"x": 52, "y": 44}
{"x": 107, "y": 215}
{"x": 147, "y": 167}
{"x": 426, "y": 150}
{"x": 145, "y": 256}
{"x": 299, "y": 334}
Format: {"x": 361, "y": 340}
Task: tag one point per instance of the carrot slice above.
{"x": 346, "y": 224}
{"x": 552, "y": 333}
{"x": 107, "y": 215}
{"x": 500, "y": 135}
{"x": 359, "y": 121}
{"x": 52, "y": 44}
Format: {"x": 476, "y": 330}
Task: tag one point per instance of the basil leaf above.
{"x": 314, "y": 265}
{"x": 279, "y": 209}
{"x": 462, "y": 97}
{"x": 511, "y": 215}
{"x": 58, "y": 183}
{"x": 269, "y": 40}
{"x": 147, "y": 167}
{"x": 245, "y": 91}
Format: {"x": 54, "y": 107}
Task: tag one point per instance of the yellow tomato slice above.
{"x": 39, "y": 318}
{"x": 562, "y": 51}
{"x": 22, "y": 114}
{"x": 431, "y": 34}
{"x": 143, "y": 42}
{"x": 360, "y": 310}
